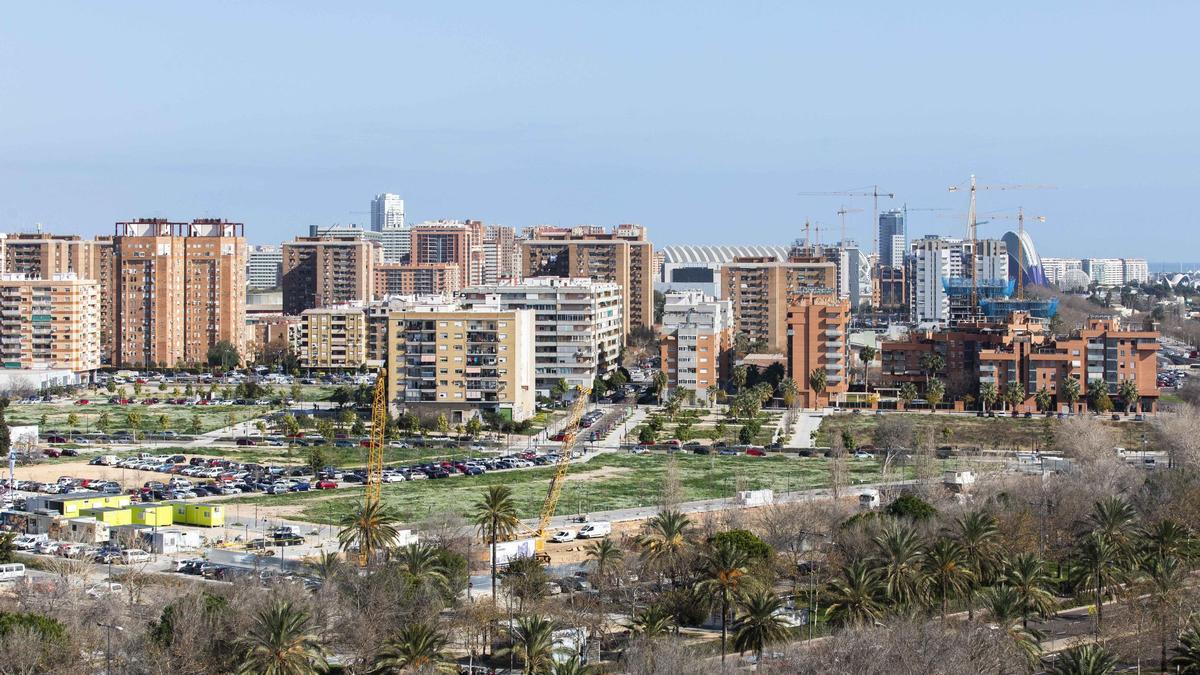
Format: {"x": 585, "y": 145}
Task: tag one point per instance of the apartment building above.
{"x": 696, "y": 346}
{"x": 1056, "y": 269}
{"x": 179, "y": 289}
{"x": 379, "y": 313}
{"x": 462, "y": 362}
{"x": 264, "y": 267}
{"x": 327, "y": 270}
{"x": 333, "y": 338}
{"x": 416, "y": 279}
{"x": 930, "y": 262}
{"x": 1105, "y": 271}
{"x": 40, "y": 255}
{"x": 49, "y": 324}
{"x": 578, "y": 325}
{"x": 816, "y": 342}
{"x": 104, "y": 255}
{"x": 761, "y": 287}
{"x": 501, "y": 255}
{"x": 451, "y": 242}
{"x": 890, "y": 289}
{"x": 622, "y": 256}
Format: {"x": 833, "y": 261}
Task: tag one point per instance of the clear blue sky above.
{"x": 698, "y": 120}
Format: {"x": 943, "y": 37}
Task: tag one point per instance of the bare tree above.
{"x": 667, "y": 655}
{"x": 837, "y": 465}
{"x": 1179, "y": 434}
{"x": 672, "y": 488}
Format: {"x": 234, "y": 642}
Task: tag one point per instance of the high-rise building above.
{"x": 41, "y": 255}
{"x": 397, "y": 244}
{"x": 1135, "y": 270}
{"x": 418, "y": 279}
{"x": 501, "y": 255}
{"x": 697, "y": 341}
{"x": 1056, "y": 268}
{"x": 991, "y": 260}
{"x": 179, "y": 289}
{"x": 387, "y": 211}
{"x": 462, "y": 362}
{"x": 325, "y": 271}
{"x": 333, "y": 338}
{"x": 49, "y": 324}
{"x": 931, "y": 262}
{"x": 1105, "y": 271}
{"x": 104, "y": 255}
{"x": 816, "y": 343}
{"x": 893, "y": 238}
{"x": 578, "y": 325}
{"x": 623, "y": 256}
{"x": 761, "y": 288}
{"x": 264, "y": 267}
{"x": 453, "y": 242}
{"x": 890, "y": 289}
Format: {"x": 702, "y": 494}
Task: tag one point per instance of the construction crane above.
{"x": 379, "y": 419}
{"x": 972, "y": 224}
{"x": 842, "y": 211}
{"x": 1020, "y": 218}
{"x": 874, "y": 194}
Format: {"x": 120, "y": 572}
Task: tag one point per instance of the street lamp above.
{"x": 108, "y": 650}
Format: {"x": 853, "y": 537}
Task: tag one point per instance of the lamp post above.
{"x": 108, "y": 650}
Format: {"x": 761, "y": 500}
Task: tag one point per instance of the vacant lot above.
{"x": 112, "y": 417}
{"x": 968, "y": 431}
{"x": 609, "y": 481}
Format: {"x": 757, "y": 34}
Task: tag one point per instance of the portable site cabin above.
{"x": 73, "y": 505}
{"x": 170, "y": 540}
{"x": 87, "y": 531}
{"x": 111, "y": 517}
{"x": 202, "y": 515}
{"x": 153, "y": 515}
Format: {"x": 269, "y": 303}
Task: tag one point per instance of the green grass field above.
{"x": 610, "y": 481}
{"x": 701, "y": 424}
{"x": 968, "y": 431}
{"x": 179, "y": 417}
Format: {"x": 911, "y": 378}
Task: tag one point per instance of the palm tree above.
{"x": 574, "y": 666}
{"x": 947, "y": 571}
{"x": 932, "y": 363}
{"x": 740, "y": 375}
{"x": 788, "y": 391}
{"x": 988, "y": 395}
{"x": 417, "y": 646}
{"x": 496, "y": 517}
{"x": 421, "y": 567}
{"x": 327, "y": 565}
{"x": 817, "y": 380}
{"x": 1167, "y": 538}
{"x": 605, "y": 557}
{"x": 1088, "y": 659}
{"x": 1115, "y": 519}
{"x": 854, "y": 598}
{"x": 759, "y": 624}
{"x": 370, "y": 528}
{"x": 1044, "y": 399}
{"x": 724, "y": 575}
{"x": 907, "y": 393}
{"x": 1127, "y": 391}
{"x": 867, "y": 354}
{"x": 1004, "y": 605}
{"x": 934, "y": 393}
{"x": 533, "y": 643}
{"x": 1014, "y": 394}
{"x": 1069, "y": 391}
{"x": 660, "y": 385}
{"x": 1030, "y": 579}
{"x": 1162, "y": 579}
{"x": 652, "y": 622}
{"x": 899, "y": 560}
{"x": 1187, "y": 652}
{"x": 979, "y": 537}
{"x": 279, "y": 643}
{"x": 1099, "y": 569}
{"x": 665, "y": 540}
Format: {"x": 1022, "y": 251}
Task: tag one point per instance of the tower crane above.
{"x": 972, "y": 224}
{"x": 873, "y": 193}
{"x": 842, "y": 211}
{"x": 379, "y": 418}
{"x": 1020, "y": 218}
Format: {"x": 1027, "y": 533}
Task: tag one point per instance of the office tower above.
{"x": 418, "y": 279}
{"x": 179, "y": 289}
{"x": 623, "y": 256}
{"x": 387, "y": 211}
{"x": 579, "y": 325}
{"x": 264, "y": 267}
{"x": 930, "y": 263}
{"x": 325, "y": 271}
{"x": 462, "y": 362}
{"x": 333, "y": 338}
{"x": 697, "y": 341}
{"x": 41, "y": 256}
{"x": 816, "y": 341}
{"x": 760, "y": 289}
{"x": 453, "y": 242}
{"x": 49, "y": 324}
{"x": 893, "y": 238}
{"x": 858, "y": 274}
{"x": 501, "y": 255}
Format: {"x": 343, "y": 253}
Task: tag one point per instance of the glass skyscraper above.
{"x": 893, "y": 239}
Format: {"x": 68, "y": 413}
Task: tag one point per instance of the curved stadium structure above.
{"x": 1029, "y": 266}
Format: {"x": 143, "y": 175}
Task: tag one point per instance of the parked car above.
{"x": 564, "y": 536}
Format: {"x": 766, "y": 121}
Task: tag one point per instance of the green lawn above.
{"x": 179, "y": 417}
{"x": 968, "y": 431}
{"x": 618, "y": 481}
{"x": 703, "y": 425}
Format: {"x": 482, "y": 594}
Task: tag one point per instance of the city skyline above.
{"x": 690, "y": 137}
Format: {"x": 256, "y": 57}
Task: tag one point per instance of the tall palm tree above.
{"x": 279, "y": 643}
{"x": 1004, "y": 606}
{"x": 574, "y": 666}
{"x": 652, "y": 622}
{"x": 1030, "y": 579}
{"x": 421, "y": 567}
{"x": 605, "y": 557}
{"x": 665, "y": 539}
{"x": 327, "y": 565}
{"x": 979, "y": 537}
{"x": 1162, "y": 580}
{"x": 372, "y": 528}
{"x": 867, "y": 354}
{"x": 758, "y": 624}
{"x": 533, "y": 643}
{"x": 495, "y": 518}
{"x": 1115, "y": 519}
{"x": 660, "y": 386}
{"x": 1069, "y": 391}
{"x": 854, "y": 598}
{"x": 898, "y": 556}
{"x": 988, "y": 395}
{"x": 947, "y": 571}
{"x": 417, "y": 646}
{"x": 1187, "y": 652}
{"x": 724, "y": 577}
{"x": 1099, "y": 569}
{"x": 1167, "y": 538}
{"x": 1088, "y": 659}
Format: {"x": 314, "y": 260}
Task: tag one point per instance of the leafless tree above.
{"x": 893, "y": 437}
{"x": 667, "y": 655}
{"x": 837, "y": 465}
{"x": 1179, "y": 434}
{"x": 672, "y": 488}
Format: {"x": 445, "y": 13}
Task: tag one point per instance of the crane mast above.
{"x": 379, "y": 419}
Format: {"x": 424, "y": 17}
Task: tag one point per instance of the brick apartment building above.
{"x": 761, "y": 289}
{"x": 49, "y": 324}
{"x": 817, "y": 328}
{"x": 417, "y": 279}
{"x": 696, "y": 346}
{"x": 328, "y": 270}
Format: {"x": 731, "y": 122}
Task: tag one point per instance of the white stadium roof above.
{"x": 719, "y": 254}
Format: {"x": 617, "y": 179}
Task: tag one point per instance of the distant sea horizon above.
{"x": 1156, "y": 267}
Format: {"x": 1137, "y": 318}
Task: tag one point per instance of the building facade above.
{"x": 760, "y": 289}
{"x": 325, "y": 271}
{"x": 696, "y": 346}
{"x": 41, "y": 256}
{"x": 623, "y": 256}
{"x": 333, "y": 338}
{"x": 817, "y": 336}
{"x": 416, "y": 279}
{"x": 501, "y": 255}
{"x": 893, "y": 238}
{"x": 578, "y": 326}
{"x": 387, "y": 211}
{"x": 930, "y": 263}
{"x": 49, "y": 324}
{"x": 264, "y": 267}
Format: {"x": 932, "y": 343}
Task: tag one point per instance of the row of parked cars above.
{"x": 106, "y": 553}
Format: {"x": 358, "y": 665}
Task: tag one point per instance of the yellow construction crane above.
{"x": 570, "y": 432}
{"x": 379, "y": 419}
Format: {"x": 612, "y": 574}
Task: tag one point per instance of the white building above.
{"x": 387, "y": 211}
{"x": 1136, "y": 270}
{"x": 1056, "y": 269}
{"x": 698, "y": 328}
{"x": 501, "y": 255}
{"x": 858, "y": 273}
{"x": 264, "y": 267}
{"x": 931, "y": 262}
{"x": 397, "y": 244}
{"x": 1105, "y": 271}
{"x": 991, "y": 260}
{"x": 578, "y": 325}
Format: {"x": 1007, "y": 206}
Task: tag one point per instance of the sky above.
{"x": 702, "y": 121}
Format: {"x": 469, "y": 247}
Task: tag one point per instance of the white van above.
{"x": 12, "y": 572}
{"x": 595, "y": 530}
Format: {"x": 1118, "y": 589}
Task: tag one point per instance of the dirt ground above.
{"x": 48, "y": 473}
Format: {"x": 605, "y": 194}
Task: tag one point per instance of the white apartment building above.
{"x": 991, "y": 260}
{"x": 697, "y": 340}
{"x": 1105, "y": 271}
{"x": 264, "y": 267}
{"x": 931, "y": 262}
{"x": 397, "y": 243}
{"x": 1056, "y": 269}
{"x": 387, "y": 211}
{"x": 1136, "y": 270}
{"x": 578, "y": 325}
